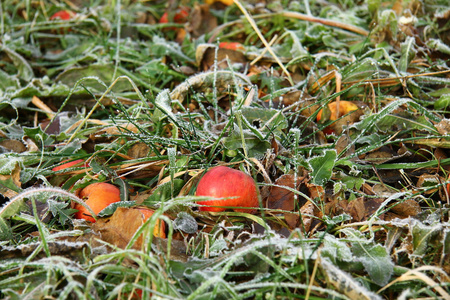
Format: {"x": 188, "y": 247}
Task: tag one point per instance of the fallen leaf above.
{"x": 120, "y": 227}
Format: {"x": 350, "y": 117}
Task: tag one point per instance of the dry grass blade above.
{"x": 418, "y": 274}
{"x": 345, "y": 26}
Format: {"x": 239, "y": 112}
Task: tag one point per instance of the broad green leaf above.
{"x": 60, "y": 210}
{"x": 322, "y": 167}
{"x": 376, "y": 261}
{"x": 97, "y": 77}
{"x": 374, "y": 257}
{"x": 422, "y": 236}
{"x": 255, "y": 147}
{"x": 297, "y": 49}
{"x": 8, "y": 82}
{"x": 264, "y": 119}
{"x": 185, "y": 222}
{"x": 336, "y": 250}
{"x": 8, "y": 163}
{"x": 352, "y": 182}
{"x": 443, "y": 102}
{"x": 360, "y": 70}
{"x": 22, "y": 65}
{"x": 41, "y": 138}
{"x": 13, "y": 207}
{"x": 6, "y": 233}
{"x": 8, "y": 183}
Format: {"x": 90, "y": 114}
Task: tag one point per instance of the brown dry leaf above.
{"x": 225, "y": 58}
{"x": 13, "y": 145}
{"x": 284, "y": 199}
{"x": 429, "y": 180}
{"x": 139, "y": 150}
{"x": 120, "y": 227}
{"x": 407, "y": 208}
{"x": 443, "y": 127}
{"x": 201, "y": 21}
{"x": 363, "y": 208}
{"x": 15, "y": 176}
{"x": 383, "y": 155}
{"x": 308, "y": 212}
{"x": 280, "y": 197}
{"x": 316, "y": 191}
{"x": 342, "y": 143}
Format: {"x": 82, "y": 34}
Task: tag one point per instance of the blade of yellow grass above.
{"x": 300, "y": 16}
{"x": 418, "y": 274}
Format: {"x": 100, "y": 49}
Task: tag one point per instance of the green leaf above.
{"x": 97, "y": 77}
{"x": 336, "y": 250}
{"x": 41, "y": 138}
{"x": 110, "y": 209}
{"x": 6, "y": 233}
{"x": 12, "y": 208}
{"x": 407, "y": 54}
{"x": 185, "y": 222}
{"x": 422, "y": 236}
{"x": 23, "y": 67}
{"x": 443, "y": 102}
{"x": 255, "y": 146}
{"x": 60, "y": 210}
{"x": 264, "y": 120}
{"x": 8, "y": 163}
{"x": 322, "y": 167}
{"x": 374, "y": 257}
{"x": 8, "y": 82}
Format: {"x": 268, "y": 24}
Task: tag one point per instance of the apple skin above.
{"x": 68, "y": 164}
{"x": 160, "y": 228}
{"x": 63, "y": 15}
{"x": 98, "y": 196}
{"x": 224, "y": 182}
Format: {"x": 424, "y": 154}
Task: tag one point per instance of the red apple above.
{"x": 63, "y": 15}
{"x": 180, "y": 16}
{"x": 223, "y": 182}
{"x": 160, "y": 228}
{"x": 231, "y": 46}
{"x": 68, "y": 164}
{"x": 98, "y": 196}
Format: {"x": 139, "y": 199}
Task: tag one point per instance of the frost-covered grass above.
{"x": 358, "y": 213}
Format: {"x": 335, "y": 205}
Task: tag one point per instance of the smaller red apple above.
{"x": 238, "y": 188}
{"x": 98, "y": 196}
{"x": 160, "y": 227}
{"x": 180, "y": 16}
{"x": 62, "y": 15}
{"x": 231, "y": 46}
{"x": 68, "y": 164}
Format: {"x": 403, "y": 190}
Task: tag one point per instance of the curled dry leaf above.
{"x": 282, "y": 197}
{"x": 208, "y": 55}
{"x": 359, "y": 209}
{"x": 201, "y": 20}
{"x": 406, "y": 208}
{"x": 122, "y": 225}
